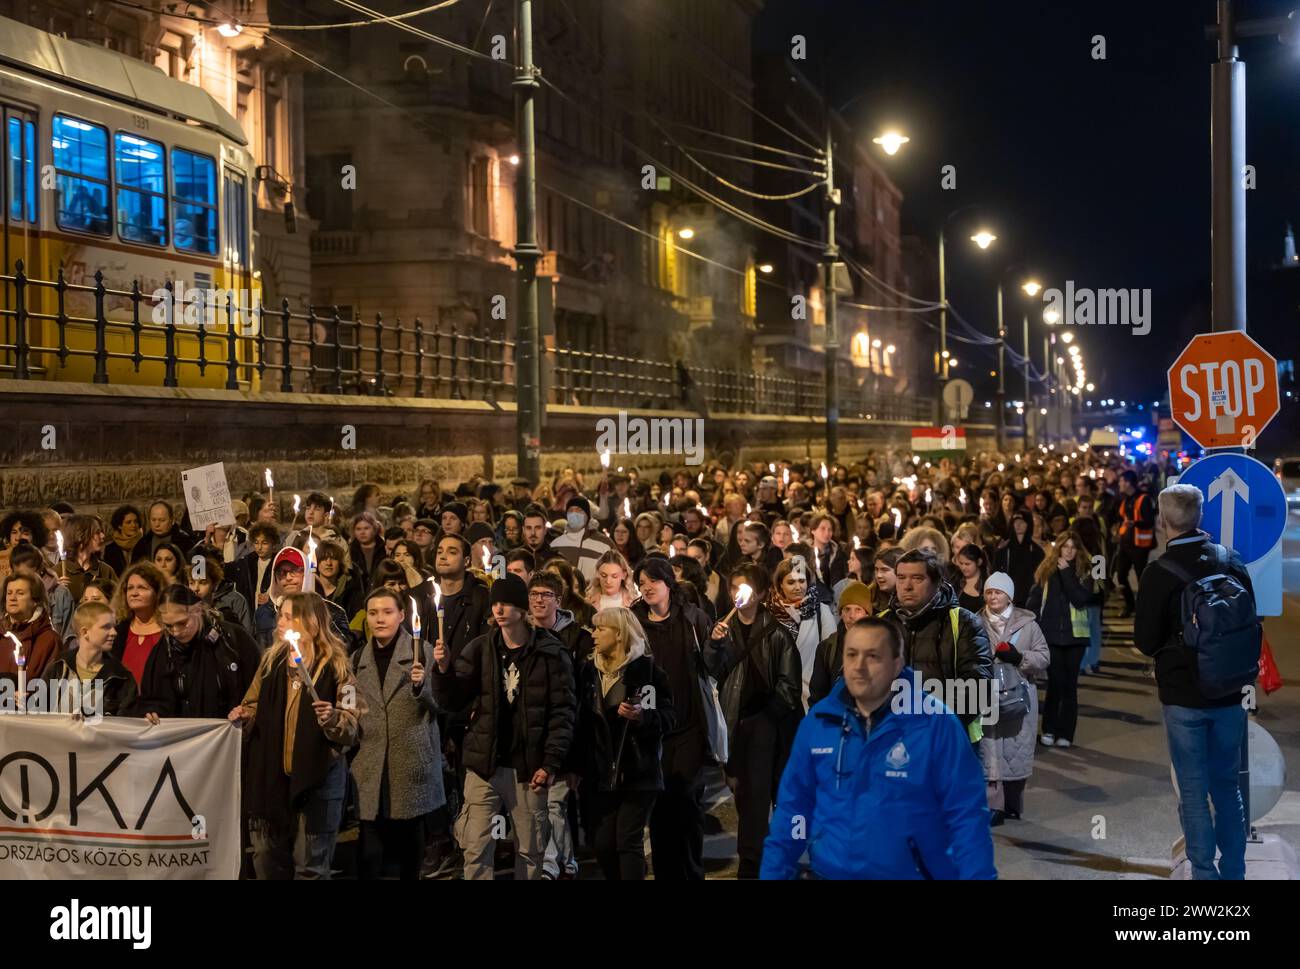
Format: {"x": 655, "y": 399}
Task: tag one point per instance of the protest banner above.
{"x": 207, "y": 496}
{"x": 118, "y": 799}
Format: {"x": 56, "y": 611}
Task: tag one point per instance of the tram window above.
{"x": 21, "y": 155}
{"x": 141, "y": 189}
{"x": 194, "y": 193}
{"x": 81, "y": 172}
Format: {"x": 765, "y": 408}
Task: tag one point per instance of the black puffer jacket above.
{"x": 114, "y": 680}
{"x": 772, "y": 650}
{"x": 928, "y": 645}
{"x": 547, "y": 704}
{"x": 1020, "y": 560}
{"x": 828, "y": 666}
{"x": 617, "y": 753}
{"x": 1052, "y": 607}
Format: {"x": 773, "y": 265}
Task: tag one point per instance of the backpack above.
{"x": 1220, "y": 625}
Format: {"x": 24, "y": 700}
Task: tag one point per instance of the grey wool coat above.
{"x": 399, "y": 727}
{"x": 1011, "y": 758}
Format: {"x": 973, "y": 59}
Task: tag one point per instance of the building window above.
{"x": 480, "y": 198}
{"x": 81, "y": 172}
{"x": 326, "y": 199}
{"x": 141, "y": 189}
{"x": 194, "y": 191}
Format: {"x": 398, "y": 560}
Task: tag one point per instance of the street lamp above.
{"x": 984, "y": 238}
{"x": 766, "y": 268}
{"x": 1067, "y": 337}
{"x": 1051, "y": 318}
{"x": 686, "y": 233}
{"x": 1031, "y": 288}
{"x": 891, "y": 141}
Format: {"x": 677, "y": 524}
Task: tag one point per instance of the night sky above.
{"x": 1095, "y": 171}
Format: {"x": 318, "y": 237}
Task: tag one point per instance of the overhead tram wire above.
{"x": 596, "y": 210}
{"x": 230, "y": 18}
{"x": 418, "y": 32}
{"x": 732, "y": 185}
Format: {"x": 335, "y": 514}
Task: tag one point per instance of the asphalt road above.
{"x": 1106, "y": 808}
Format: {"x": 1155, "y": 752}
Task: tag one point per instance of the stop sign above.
{"x": 1223, "y": 389}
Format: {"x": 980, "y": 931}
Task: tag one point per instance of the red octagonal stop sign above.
{"x": 1223, "y": 389}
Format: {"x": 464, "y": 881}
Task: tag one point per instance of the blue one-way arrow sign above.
{"x": 1245, "y": 509}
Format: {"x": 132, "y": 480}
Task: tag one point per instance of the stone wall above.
{"x": 97, "y": 446}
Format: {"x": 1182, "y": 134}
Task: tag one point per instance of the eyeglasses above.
{"x": 541, "y": 594}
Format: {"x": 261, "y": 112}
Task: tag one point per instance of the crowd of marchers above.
{"x": 483, "y": 672}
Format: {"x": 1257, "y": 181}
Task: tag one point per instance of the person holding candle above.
{"x": 398, "y": 766}
{"x": 202, "y": 665}
{"x": 27, "y": 560}
{"x": 212, "y": 586}
{"x": 761, "y": 694}
{"x": 135, "y": 603}
{"x": 296, "y": 766}
{"x": 26, "y": 618}
{"x": 520, "y": 681}
{"x": 103, "y": 684}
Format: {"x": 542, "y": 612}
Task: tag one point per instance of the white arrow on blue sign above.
{"x": 1245, "y": 509}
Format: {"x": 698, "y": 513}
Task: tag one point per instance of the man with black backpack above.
{"x": 1196, "y": 617}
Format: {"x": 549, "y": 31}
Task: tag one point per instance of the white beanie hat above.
{"x": 1001, "y": 581}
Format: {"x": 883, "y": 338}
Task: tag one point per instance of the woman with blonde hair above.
{"x": 298, "y": 736}
{"x": 1063, "y": 591}
{"x": 927, "y": 539}
{"x": 613, "y": 586}
{"x": 624, "y": 709}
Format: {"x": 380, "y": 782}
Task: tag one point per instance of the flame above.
{"x": 270, "y": 482}
{"x": 743, "y": 595}
{"x": 825, "y": 473}
{"x": 857, "y": 542}
{"x": 604, "y": 459}
{"x": 58, "y": 537}
{"x": 1024, "y": 482}
{"x": 700, "y": 478}
{"x": 627, "y": 507}
{"x": 785, "y": 475}
{"x": 962, "y": 494}
{"x": 18, "y": 649}
{"x": 415, "y": 617}
{"x": 437, "y": 592}
{"x": 772, "y": 467}
{"x": 672, "y": 550}
{"x": 292, "y": 636}
{"x": 898, "y": 519}
{"x": 929, "y": 496}
{"x": 487, "y": 558}
{"x": 296, "y": 501}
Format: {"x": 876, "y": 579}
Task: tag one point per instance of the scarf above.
{"x": 126, "y": 546}
{"x": 996, "y": 623}
{"x": 780, "y": 608}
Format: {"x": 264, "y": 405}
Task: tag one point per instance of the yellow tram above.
{"x": 110, "y": 165}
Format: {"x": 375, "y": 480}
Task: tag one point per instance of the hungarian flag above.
{"x": 938, "y": 442}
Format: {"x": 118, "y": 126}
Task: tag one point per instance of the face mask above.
{"x": 577, "y": 521}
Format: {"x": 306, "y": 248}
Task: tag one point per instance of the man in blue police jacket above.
{"x": 881, "y": 782}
